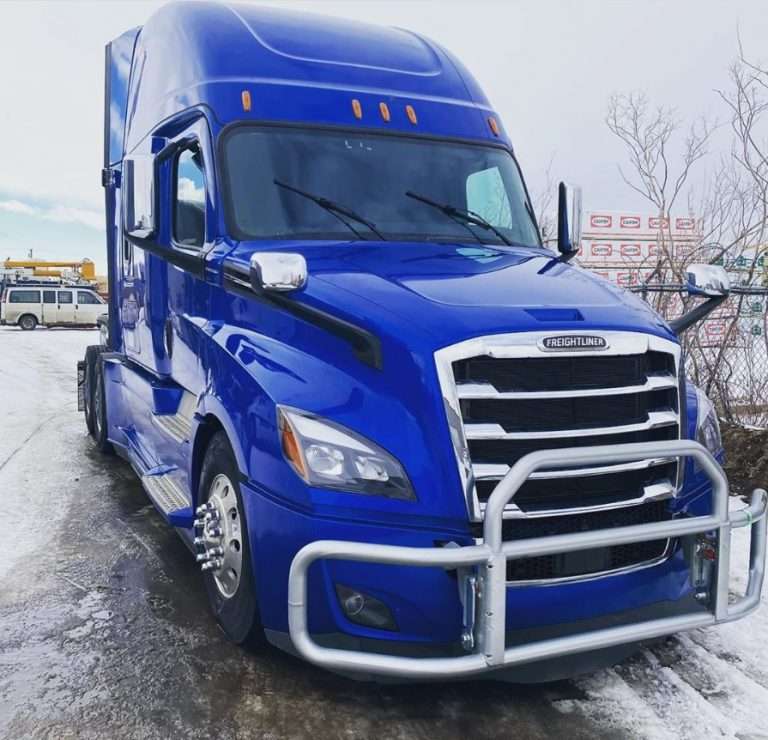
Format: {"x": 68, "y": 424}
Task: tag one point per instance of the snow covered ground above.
{"x": 99, "y": 601}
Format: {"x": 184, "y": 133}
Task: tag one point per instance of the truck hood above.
{"x": 451, "y": 292}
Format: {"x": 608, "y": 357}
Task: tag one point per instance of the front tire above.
{"x": 231, "y": 587}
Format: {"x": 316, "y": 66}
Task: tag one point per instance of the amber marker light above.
{"x": 291, "y": 447}
{"x": 494, "y": 126}
{"x": 245, "y": 96}
{"x": 384, "y": 110}
{"x": 411, "y": 113}
{"x": 357, "y": 109}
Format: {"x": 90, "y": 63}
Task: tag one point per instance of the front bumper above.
{"x": 482, "y": 572}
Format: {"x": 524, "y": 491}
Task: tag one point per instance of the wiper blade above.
{"x": 466, "y": 216}
{"x": 336, "y": 209}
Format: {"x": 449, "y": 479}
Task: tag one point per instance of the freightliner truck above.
{"x": 401, "y": 437}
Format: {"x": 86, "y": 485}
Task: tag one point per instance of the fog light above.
{"x": 365, "y": 610}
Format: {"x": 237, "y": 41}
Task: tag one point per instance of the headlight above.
{"x": 707, "y": 425}
{"x": 328, "y": 455}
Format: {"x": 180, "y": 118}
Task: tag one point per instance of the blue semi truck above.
{"x": 402, "y": 438}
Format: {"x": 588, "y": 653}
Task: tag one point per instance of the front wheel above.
{"x": 224, "y": 547}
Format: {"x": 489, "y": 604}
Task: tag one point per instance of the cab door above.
{"x": 65, "y": 307}
{"x": 87, "y": 308}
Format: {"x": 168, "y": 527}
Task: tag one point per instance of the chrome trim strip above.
{"x": 596, "y": 576}
{"x": 484, "y": 471}
{"x": 496, "y": 431}
{"x": 478, "y": 391}
{"x": 655, "y": 492}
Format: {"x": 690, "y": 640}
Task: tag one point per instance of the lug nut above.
{"x": 212, "y": 516}
{"x": 202, "y": 557}
{"x": 211, "y": 565}
{"x": 198, "y": 523}
{"x": 214, "y": 531}
{"x": 203, "y": 508}
{"x": 199, "y": 541}
{"x": 215, "y": 551}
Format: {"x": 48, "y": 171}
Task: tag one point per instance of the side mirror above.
{"x": 139, "y": 194}
{"x": 707, "y": 280}
{"x": 568, "y": 220}
{"x": 278, "y": 271}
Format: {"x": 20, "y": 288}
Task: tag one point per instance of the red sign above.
{"x": 685, "y": 223}
{"x": 630, "y": 250}
{"x": 630, "y": 222}
{"x": 656, "y": 222}
{"x": 602, "y": 250}
{"x": 600, "y": 222}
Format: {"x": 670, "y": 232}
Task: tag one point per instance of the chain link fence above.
{"x": 726, "y": 353}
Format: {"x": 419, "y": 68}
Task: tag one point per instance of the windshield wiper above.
{"x": 334, "y": 209}
{"x": 459, "y": 214}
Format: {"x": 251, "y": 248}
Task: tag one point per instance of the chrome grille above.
{"x": 507, "y": 396}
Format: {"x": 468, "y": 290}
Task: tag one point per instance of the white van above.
{"x": 54, "y": 306}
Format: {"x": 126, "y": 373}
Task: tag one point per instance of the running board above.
{"x": 168, "y": 498}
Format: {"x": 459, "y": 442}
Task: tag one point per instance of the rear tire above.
{"x": 99, "y": 412}
{"x": 27, "y": 322}
{"x": 91, "y": 356}
{"x": 237, "y": 612}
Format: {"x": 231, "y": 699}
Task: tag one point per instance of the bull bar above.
{"x": 489, "y": 651}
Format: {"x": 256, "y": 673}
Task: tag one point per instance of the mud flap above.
{"x": 81, "y": 385}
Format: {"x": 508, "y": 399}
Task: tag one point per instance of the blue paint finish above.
{"x": 180, "y": 331}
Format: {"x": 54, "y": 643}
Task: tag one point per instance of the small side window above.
{"x": 65, "y": 296}
{"x": 86, "y": 298}
{"x": 49, "y": 296}
{"x": 189, "y": 208}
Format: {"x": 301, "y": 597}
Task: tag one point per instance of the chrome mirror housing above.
{"x": 707, "y": 280}
{"x": 568, "y": 219}
{"x": 278, "y": 271}
{"x": 139, "y": 198}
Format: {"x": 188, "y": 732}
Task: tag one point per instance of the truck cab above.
{"x": 401, "y": 437}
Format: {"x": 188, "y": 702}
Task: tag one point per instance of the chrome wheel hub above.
{"x": 218, "y": 539}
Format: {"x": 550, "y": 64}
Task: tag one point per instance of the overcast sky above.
{"x": 548, "y": 67}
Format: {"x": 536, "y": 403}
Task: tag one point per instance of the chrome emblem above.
{"x": 573, "y": 343}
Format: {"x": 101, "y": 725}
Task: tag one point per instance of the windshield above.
{"x": 292, "y": 184}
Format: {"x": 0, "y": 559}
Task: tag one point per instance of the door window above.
{"x": 65, "y": 296}
{"x": 189, "y": 206}
{"x": 49, "y": 296}
{"x": 86, "y": 298}
{"x": 24, "y": 296}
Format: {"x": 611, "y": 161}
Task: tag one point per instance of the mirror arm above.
{"x": 696, "y": 314}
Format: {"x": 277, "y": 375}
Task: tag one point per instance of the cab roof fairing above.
{"x": 298, "y": 67}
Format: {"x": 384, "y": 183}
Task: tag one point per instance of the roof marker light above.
{"x": 245, "y": 96}
{"x": 411, "y": 113}
{"x": 384, "y": 109}
{"x": 494, "y": 126}
{"x": 357, "y": 109}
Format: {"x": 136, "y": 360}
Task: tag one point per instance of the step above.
{"x": 170, "y": 500}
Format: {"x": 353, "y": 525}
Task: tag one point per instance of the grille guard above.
{"x": 489, "y": 558}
